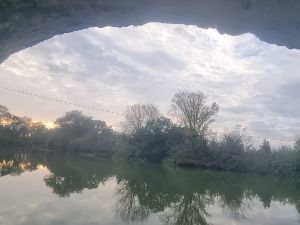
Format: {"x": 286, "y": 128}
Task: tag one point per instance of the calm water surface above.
{"x": 44, "y": 188}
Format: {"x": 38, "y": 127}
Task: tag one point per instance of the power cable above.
{"x": 58, "y": 100}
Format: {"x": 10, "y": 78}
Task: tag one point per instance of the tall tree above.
{"x": 192, "y": 112}
{"x": 4, "y": 111}
{"x": 6, "y": 117}
{"x": 297, "y": 144}
{"x": 75, "y": 123}
{"x": 137, "y": 115}
{"x": 265, "y": 147}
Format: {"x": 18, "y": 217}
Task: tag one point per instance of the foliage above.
{"x": 76, "y": 132}
{"x": 297, "y": 144}
{"x": 19, "y": 131}
{"x": 152, "y": 137}
{"x": 156, "y": 139}
{"x": 137, "y": 115}
{"x": 192, "y": 152}
{"x": 265, "y": 148}
{"x": 191, "y": 111}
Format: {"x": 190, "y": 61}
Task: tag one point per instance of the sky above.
{"x": 256, "y": 84}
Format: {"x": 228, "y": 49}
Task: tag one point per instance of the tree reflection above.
{"x": 188, "y": 210}
{"x": 178, "y": 197}
{"x": 73, "y": 175}
{"x": 15, "y": 164}
{"x": 235, "y": 201}
{"x": 237, "y": 207}
{"x": 128, "y": 205}
{"x": 70, "y": 182}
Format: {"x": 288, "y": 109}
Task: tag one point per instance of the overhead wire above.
{"x": 97, "y": 109}
{"x": 58, "y": 100}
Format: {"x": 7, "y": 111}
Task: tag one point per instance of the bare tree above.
{"x": 137, "y": 115}
{"x": 191, "y": 111}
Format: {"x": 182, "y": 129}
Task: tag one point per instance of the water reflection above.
{"x": 176, "y": 196}
{"x": 16, "y": 165}
{"x": 128, "y": 206}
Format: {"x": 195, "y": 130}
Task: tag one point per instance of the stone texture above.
{"x": 24, "y": 23}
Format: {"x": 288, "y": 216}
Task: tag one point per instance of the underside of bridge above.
{"x": 24, "y": 23}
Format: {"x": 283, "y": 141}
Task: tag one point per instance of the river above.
{"x": 45, "y": 188}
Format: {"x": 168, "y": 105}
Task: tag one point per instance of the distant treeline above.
{"x": 150, "y": 136}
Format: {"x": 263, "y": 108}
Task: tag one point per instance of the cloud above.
{"x": 255, "y": 83}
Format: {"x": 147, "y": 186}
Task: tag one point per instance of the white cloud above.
{"x": 254, "y": 83}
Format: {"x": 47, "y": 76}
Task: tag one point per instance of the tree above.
{"x": 75, "y": 123}
{"x": 6, "y": 118}
{"x": 262, "y": 158}
{"x": 16, "y": 130}
{"x": 137, "y": 115}
{"x": 191, "y": 152}
{"x": 17, "y": 127}
{"x": 38, "y": 133}
{"x": 234, "y": 148}
{"x": 297, "y": 154}
{"x": 4, "y": 114}
{"x": 297, "y": 144}
{"x": 265, "y": 147}
{"x": 77, "y": 132}
{"x": 191, "y": 111}
{"x": 156, "y": 139}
